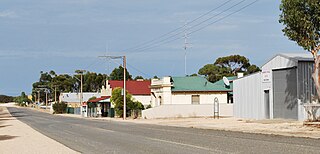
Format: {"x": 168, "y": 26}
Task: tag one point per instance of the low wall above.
{"x": 174, "y": 111}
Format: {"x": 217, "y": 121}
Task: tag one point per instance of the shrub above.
{"x": 59, "y": 108}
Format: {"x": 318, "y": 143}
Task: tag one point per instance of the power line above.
{"x": 192, "y": 27}
{"x": 161, "y": 36}
{"x": 225, "y": 16}
{"x": 147, "y": 75}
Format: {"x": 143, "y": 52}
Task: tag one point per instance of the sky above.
{"x": 66, "y": 35}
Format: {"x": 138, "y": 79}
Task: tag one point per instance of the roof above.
{"x": 75, "y": 97}
{"x": 99, "y": 99}
{"x": 196, "y": 83}
{"x": 220, "y": 84}
{"x": 133, "y": 87}
{"x": 298, "y": 56}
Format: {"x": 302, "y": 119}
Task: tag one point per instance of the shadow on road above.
{"x": 6, "y": 137}
{"x": 5, "y": 126}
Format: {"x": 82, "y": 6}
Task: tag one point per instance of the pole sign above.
{"x": 266, "y": 76}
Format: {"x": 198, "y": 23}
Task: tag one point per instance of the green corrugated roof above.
{"x": 221, "y": 84}
{"x": 196, "y": 83}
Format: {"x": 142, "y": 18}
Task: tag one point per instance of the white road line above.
{"x": 188, "y": 145}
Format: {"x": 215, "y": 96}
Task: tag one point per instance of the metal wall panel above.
{"x": 306, "y": 87}
{"x": 285, "y": 104}
{"x": 279, "y": 62}
{"x": 248, "y": 99}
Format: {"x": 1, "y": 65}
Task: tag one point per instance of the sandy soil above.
{"x": 17, "y": 137}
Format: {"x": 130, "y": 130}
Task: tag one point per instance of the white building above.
{"x": 188, "y": 97}
{"x": 278, "y": 91}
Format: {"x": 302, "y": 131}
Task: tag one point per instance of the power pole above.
{"x": 81, "y": 92}
{"x": 124, "y": 80}
{"x": 55, "y": 93}
{"x": 124, "y": 89}
{"x": 46, "y": 98}
{"x": 43, "y": 87}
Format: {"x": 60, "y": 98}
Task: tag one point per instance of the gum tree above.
{"x": 301, "y": 20}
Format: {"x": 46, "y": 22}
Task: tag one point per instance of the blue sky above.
{"x": 65, "y": 35}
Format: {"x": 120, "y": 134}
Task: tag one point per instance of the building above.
{"x": 188, "y": 97}
{"x": 73, "y": 99}
{"x": 103, "y": 107}
{"x": 278, "y": 91}
{"x": 140, "y": 89}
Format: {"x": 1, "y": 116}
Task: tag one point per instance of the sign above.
{"x": 266, "y": 76}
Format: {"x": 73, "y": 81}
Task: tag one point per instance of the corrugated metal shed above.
{"x": 284, "y": 91}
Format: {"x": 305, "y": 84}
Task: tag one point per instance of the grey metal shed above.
{"x": 278, "y": 91}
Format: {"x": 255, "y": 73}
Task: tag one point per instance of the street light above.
{"x": 124, "y": 80}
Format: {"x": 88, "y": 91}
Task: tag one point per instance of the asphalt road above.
{"x": 95, "y": 136}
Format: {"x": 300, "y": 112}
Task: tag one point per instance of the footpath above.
{"x": 282, "y": 127}
{"x": 17, "y": 137}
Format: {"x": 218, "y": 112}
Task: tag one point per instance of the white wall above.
{"x": 279, "y": 62}
{"x": 205, "y": 98}
{"x": 176, "y": 110}
{"x": 144, "y": 99}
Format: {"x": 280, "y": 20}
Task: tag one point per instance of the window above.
{"x": 195, "y": 99}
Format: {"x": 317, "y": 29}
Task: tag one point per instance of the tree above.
{"x": 301, "y": 20}
{"x": 6, "y": 99}
{"x": 194, "y": 74}
{"x": 92, "y": 82}
{"x": 117, "y": 74}
{"x": 236, "y": 63}
{"x": 117, "y": 101}
{"x": 138, "y": 77}
{"x": 22, "y": 99}
{"x": 227, "y": 66}
{"x": 59, "y": 108}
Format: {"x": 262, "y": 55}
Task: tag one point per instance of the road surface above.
{"x": 95, "y": 136}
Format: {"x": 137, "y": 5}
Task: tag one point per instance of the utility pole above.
{"x": 46, "y": 98}
{"x": 55, "y": 93}
{"x": 81, "y": 92}
{"x": 186, "y": 45}
{"x": 124, "y": 89}
{"x": 124, "y": 80}
{"x": 43, "y": 87}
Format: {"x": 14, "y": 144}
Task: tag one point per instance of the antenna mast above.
{"x": 186, "y": 45}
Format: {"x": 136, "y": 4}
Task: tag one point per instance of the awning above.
{"x": 101, "y": 99}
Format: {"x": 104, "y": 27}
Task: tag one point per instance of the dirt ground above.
{"x": 17, "y": 137}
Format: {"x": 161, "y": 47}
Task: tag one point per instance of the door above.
{"x": 267, "y": 103}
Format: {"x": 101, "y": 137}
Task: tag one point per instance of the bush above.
{"x": 59, "y": 108}
{"x": 149, "y": 106}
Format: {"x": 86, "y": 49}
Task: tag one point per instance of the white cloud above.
{"x": 7, "y": 14}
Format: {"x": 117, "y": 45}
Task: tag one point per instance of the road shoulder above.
{"x": 17, "y": 137}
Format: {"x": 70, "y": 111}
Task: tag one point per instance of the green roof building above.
{"x": 188, "y": 96}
